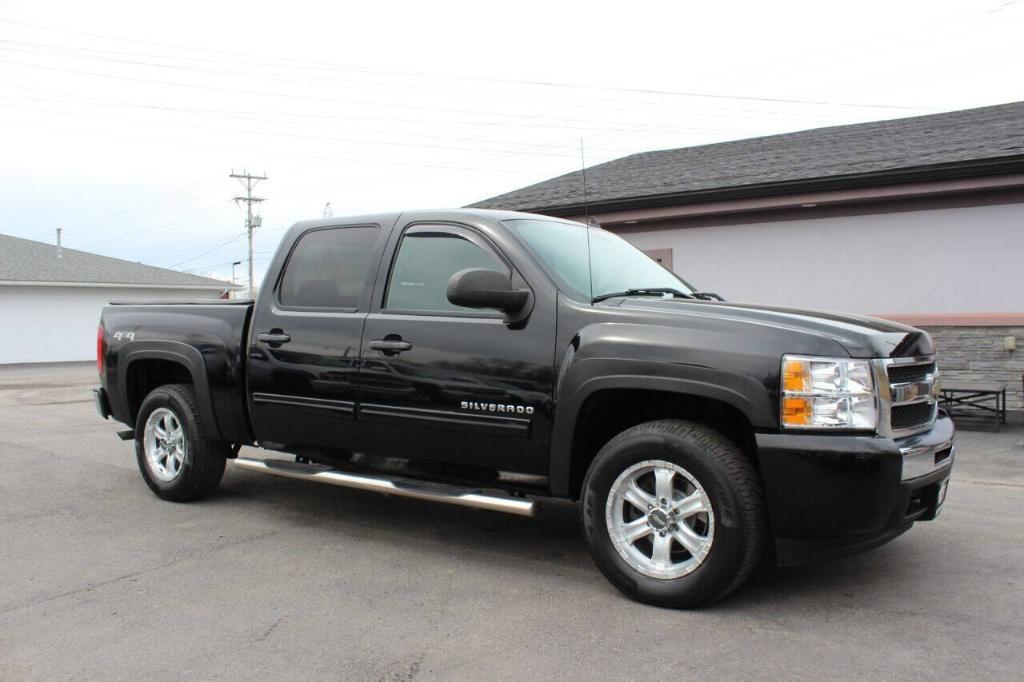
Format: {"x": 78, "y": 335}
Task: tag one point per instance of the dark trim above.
{"x": 595, "y": 375}
{"x": 472, "y": 314}
{"x": 803, "y": 551}
{"x": 102, "y": 404}
{"x": 480, "y": 423}
{"x": 174, "y": 351}
{"x": 970, "y": 169}
{"x": 346, "y": 407}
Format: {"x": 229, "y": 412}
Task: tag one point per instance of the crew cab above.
{"x": 493, "y": 359}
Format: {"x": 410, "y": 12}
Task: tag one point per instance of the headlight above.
{"x": 822, "y": 393}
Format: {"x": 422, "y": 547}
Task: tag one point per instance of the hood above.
{"x": 861, "y": 336}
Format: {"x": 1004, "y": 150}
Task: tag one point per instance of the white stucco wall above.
{"x": 950, "y": 260}
{"x": 58, "y": 324}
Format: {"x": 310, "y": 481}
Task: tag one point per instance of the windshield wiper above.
{"x": 646, "y": 291}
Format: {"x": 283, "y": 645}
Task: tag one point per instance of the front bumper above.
{"x": 834, "y": 495}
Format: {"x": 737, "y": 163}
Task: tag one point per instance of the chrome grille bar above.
{"x": 922, "y": 388}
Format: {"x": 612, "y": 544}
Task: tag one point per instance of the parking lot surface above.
{"x": 287, "y": 579}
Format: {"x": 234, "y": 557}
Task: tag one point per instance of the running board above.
{"x": 400, "y": 487}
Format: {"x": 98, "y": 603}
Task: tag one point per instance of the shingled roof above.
{"x": 968, "y": 143}
{"x": 31, "y": 262}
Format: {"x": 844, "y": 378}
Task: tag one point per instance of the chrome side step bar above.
{"x": 400, "y": 487}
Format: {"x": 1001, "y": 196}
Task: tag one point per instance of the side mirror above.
{"x": 477, "y": 288}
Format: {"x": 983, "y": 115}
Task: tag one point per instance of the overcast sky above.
{"x": 121, "y": 121}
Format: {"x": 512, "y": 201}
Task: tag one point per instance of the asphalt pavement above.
{"x": 274, "y": 578}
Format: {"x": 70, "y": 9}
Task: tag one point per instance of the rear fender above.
{"x": 187, "y": 356}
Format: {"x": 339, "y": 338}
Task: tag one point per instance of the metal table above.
{"x": 981, "y": 403}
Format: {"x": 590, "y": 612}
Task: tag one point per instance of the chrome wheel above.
{"x": 660, "y": 519}
{"x": 164, "y": 443}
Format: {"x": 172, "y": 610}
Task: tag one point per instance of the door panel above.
{"x": 463, "y": 387}
{"x": 304, "y": 358}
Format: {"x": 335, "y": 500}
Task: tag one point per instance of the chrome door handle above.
{"x": 390, "y": 346}
{"x": 273, "y": 338}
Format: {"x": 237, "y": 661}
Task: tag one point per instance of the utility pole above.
{"x": 249, "y": 182}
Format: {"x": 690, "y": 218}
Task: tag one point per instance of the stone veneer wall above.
{"x": 976, "y": 354}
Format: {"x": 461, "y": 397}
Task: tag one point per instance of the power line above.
{"x": 159, "y": 205}
{"x": 328, "y": 157}
{"x": 300, "y": 63}
{"x": 206, "y": 253}
{"x": 292, "y": 96}
{"x": 262, "y": 116}
{"x": 62, "y": 51}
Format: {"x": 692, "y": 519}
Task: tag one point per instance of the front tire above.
{"x": 178, "y": 459}
{"x": 673, "y": 514}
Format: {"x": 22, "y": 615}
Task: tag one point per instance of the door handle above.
{"x": 273, "y": 338}
{"x": 392, "y": 346}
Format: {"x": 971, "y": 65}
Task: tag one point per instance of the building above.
{"x": 50, "y": 298}
{"x": 919, "y": 220}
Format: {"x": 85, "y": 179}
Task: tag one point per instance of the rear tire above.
{"x": 673, "y": 514}
{"x": 178, "y": 459}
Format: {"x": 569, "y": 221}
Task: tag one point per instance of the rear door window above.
{"x": 328, "y": 268}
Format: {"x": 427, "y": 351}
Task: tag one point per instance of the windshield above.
{"x": 617, "y": 265}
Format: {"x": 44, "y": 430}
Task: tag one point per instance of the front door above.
{"x": 442, "y": 383}
{"x": 304, "y": 352}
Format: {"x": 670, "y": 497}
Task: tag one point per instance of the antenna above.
{"x": 586, "y": 217}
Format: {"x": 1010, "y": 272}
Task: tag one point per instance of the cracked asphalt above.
{"x": 271, "y": 578}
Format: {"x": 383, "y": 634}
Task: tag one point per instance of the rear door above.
{"x": 304, "y": 352}
{"x": 441, "y": 383}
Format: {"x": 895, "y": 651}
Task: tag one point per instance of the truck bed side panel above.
{"x": 208, "y": 340}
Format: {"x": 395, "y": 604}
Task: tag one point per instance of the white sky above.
{"x": 120, "y": 121}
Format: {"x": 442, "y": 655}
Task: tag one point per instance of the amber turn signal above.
{"x": 796, "y": 376}
{"x": 797, "y": 411}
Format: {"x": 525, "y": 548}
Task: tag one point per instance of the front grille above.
{"x": 910, "y": 374}
{"x": 909, "y": 416}
{"x": 908, "y": 406}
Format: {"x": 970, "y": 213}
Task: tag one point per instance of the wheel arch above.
{"x": 145, "y": 367}
{"x": 606, "y": 406}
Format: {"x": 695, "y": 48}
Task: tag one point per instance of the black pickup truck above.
{"x": 490, "y": 359}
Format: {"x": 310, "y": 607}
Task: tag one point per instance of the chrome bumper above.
{"x": 921, "y": 460}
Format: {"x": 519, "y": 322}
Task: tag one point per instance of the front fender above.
{"x": 609, "y": 357}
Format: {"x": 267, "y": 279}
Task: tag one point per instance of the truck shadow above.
{"x": 435, "y": 535}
